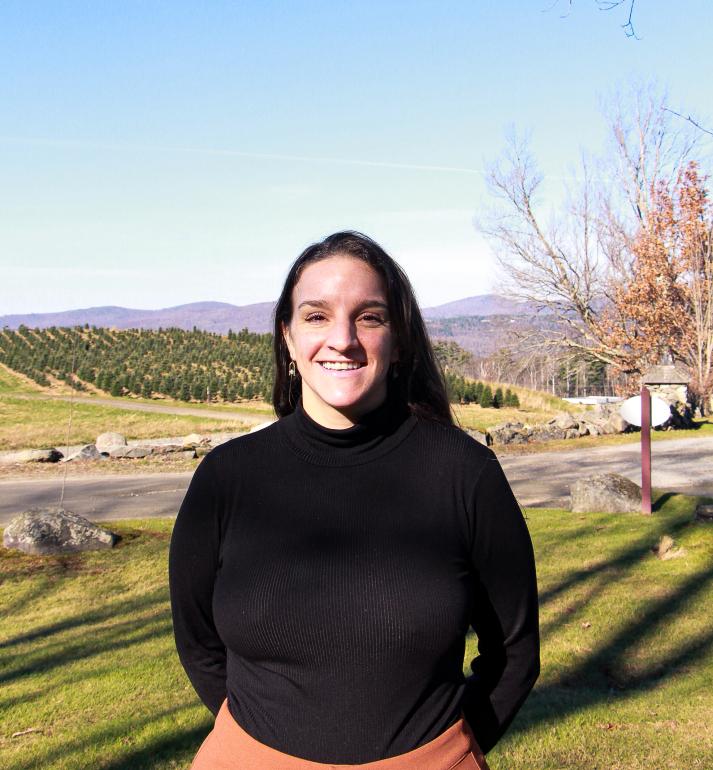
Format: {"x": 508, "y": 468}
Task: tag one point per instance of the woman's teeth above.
{"x": 340, "y": 365}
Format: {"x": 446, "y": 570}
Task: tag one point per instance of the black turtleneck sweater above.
{"x": 324, "y": 582}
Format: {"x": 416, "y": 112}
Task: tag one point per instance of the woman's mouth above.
{"x": 341, "y": 366}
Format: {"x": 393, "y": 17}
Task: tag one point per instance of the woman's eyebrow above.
{"x": 324, "y": 304}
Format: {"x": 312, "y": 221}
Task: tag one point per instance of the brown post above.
{"x": 645, "y": 451}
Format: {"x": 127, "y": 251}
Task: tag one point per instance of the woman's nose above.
{"x": 342, "y": 334}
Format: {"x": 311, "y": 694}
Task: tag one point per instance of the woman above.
{"x": 324, "y": 571}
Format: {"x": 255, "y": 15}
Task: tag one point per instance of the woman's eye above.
{"x": 372, "y": 318}
{"x": 315, "y": 317}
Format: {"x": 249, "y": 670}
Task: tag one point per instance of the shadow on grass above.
{"x": 166, "y": 745}
{"x": 613, "y": 669}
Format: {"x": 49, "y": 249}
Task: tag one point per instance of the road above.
{"x": 681, "y": 465}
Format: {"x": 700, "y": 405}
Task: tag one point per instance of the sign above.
{"x": 630, "y": 410}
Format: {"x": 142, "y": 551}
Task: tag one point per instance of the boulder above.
{"x": 107, "y": 441}
{"x": 704, "y": 513}
{"x": 565, "y": 421}
{"x": 33, "y": 456}
{"x": 510, "y": 433}
{"x": 54, "y": 530}
{"x": 548, "y": 432}
{"x": 617, "y": 423}
{"x": 131, "y": 452}
{"x": 87, "y": 452}
{"x": 605, "y": 493}
{"x": 194, "y": 440}
{"x": 165, "y": 449}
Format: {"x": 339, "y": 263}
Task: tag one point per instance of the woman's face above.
{"x": 341, "y": 340}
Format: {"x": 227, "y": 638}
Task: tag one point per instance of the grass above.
{"x": 34, "y": 417}
{"x": 87, "y": 657}
{"x": 43, "y": 423}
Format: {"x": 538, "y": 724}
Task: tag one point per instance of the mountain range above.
{"x": 222, "y": 316}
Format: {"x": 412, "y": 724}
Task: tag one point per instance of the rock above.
{"x": 189, "y": 454}
{"x": 202, "y": 451}
{"x": 164, "y": 449}
{"x": 510, "y": 433}
{"x": 704, "y": 513}
{"x": 87, "y": 452}
{"x": 665, "y": 550}
{"x": 572, "y": 433}
{"x": 583, "y": 429}
{"x": 108, "y": 441}
{"x": 194, "y": 440}
{"x": 565, "y": 421}
{"x": 33, "y": 456}
{"x": 547, "y": 433}
{"x": 616, "y": 423}
{"x": 605, "y": 493}
{"x": 53, "y": 530}
{"x": 131, "y": 452}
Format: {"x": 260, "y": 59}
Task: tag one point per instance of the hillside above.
{"x": 183, "y": 365}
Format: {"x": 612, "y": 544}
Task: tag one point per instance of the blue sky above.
{"x": 156, "y": 153}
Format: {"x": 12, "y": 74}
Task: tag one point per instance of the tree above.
{"x": 579, "y": 263}
{"x": 666, "y": 308}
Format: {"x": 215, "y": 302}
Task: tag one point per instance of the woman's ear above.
{"x": 288, "y": 339}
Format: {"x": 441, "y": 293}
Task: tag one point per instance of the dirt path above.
{"x": 540, "y": 480}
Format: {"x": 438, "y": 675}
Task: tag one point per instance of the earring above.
{"x": 292, "y": 369}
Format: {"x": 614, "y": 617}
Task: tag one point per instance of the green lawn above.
{"x": 29, "y": 419}
{"x": 87, "y": 657}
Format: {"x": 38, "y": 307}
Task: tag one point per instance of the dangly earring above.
{"x": 292, "y": 369}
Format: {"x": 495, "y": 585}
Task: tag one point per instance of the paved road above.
{"x": 682, "y": 465}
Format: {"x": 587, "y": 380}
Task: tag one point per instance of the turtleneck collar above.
{"x": 376, "y": 433}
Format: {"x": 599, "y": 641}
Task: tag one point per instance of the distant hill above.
{"x": 221, "y": 316}
{"x": 216, "y": 317}
{"x": 480, "y": 305}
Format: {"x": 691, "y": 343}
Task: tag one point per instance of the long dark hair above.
{"x": 418, "y": 383}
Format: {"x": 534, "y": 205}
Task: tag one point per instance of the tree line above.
{"x": 185, "y": 365}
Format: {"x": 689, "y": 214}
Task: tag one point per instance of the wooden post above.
{"x": 645, "y": 451}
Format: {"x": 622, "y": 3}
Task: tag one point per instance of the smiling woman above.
{"x": 340, "y": 339}
{"x": 325, "y": 570}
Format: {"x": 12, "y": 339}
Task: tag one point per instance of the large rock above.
{"x": 193, "y": 440}
{"x": 605, "y": 493}
{"x": 87, "y": 452}
{"x": 564, "y": 421}
{"x": 131, "y": 452}
{"x": 32, "y": 456}
{"x": 107, "y": 441}
{"x": 510, "y": 433}
{"x": 54, "y": 530}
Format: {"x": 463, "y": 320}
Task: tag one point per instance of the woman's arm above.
{"x": 504, "y": 610}
{"x": 193, "y": 563}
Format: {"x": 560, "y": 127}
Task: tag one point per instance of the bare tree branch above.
{"x": 690, "y": 120}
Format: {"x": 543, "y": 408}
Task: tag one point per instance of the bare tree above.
{"x": 573, "y": 265}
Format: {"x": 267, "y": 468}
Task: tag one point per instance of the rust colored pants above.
{"x": 229, "y": 747}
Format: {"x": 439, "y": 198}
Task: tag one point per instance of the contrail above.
{"x": 238, "y": 154}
